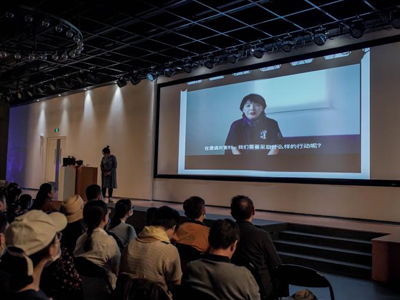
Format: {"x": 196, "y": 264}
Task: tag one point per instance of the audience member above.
{"x": 93, "y": 192}
{"x": 255, "y": 244}
{"x": 43, "y": 200}
{"x": 149, "y": 214}
{"x": 33, "y": 242}
{"x": 193, "y": 232}
{"x": 24, "y": 204}
{"x": 3, "y": 202}
{"x": 96, "y": 245}
{"x": 151, "y": 255}
{"x": 13, "y": 196}
{"x": 214, "y": 274}
{"x": 3, "y": 227}
{"x": 124, "y": 232}
{"x": 61, "y": 280}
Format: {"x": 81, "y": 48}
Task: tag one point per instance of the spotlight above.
{"x": 19, "y": 95}
{"x": 3, "y": 54}
{"x": 135, "y": 79}
{"x": 59, "y": 28}
{"x": 257, "y": 52}
{"x": 169, "y": 71}
{"x": 17, "y": 55}
{"x": 32, "y": 56}
{"x": 72, "y": 54}
{"x": 320, "y": 38}
{"x": 69, "y": 33}
{"x": 121, "y": 82}
{"x": 395, "y": 19}
{"x": 46, "y": 23}
{"x": 357, "y": 29}
{"x": 40, "y": 90}
{"x": 287, "y": 46}
{"x": 29, "y": 93}
{"x": 28, "y": 18}
{"x": 187, "y": 67}
{"x": 76, "y": 39}
{"x": 151, "y": 76}
{"x": 43, "y": 56}
{"x": 64, "y": 55}
{"x": 51, "y": 87}
{"x": 233, "y": 58}
{"x": 209, "y": 63}
{"x": 9, "y": 15}
{"x": 63, "y": 84}
{"x": 55, "y": 56}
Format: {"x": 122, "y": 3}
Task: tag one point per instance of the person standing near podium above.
{"x": 108, "y": 168}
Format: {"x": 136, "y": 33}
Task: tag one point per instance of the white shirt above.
{"x": 104, "y": 253}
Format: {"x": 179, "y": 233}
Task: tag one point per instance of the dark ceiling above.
{"x": 121, "y": 41}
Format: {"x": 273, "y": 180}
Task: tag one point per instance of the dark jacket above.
{"x": 256, "y": 246}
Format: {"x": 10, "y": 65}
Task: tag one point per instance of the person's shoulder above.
{"x": 237, "y": 123}
{"x": 271, "y": 121}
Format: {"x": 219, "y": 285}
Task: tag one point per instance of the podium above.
{"x": 75, "y": 181}
{"x": 85, "y": 176}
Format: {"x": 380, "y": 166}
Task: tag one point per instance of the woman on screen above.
{"x": 108, "y": 168}
{"x": 254, "y": 132}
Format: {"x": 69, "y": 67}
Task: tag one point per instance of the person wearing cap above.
{"x": 33, "y": 242}
{"x": 62, "y": 281}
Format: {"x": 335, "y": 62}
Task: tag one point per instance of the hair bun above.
{"x": 108, "y": 146}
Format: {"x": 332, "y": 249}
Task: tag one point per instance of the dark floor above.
{"x": 347, "y": 288}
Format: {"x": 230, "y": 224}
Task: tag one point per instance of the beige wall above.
{"x": 124, "y": 119}
{"x": 121, "y": 118}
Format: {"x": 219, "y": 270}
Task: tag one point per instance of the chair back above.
{"x": 301, "y": 276}
{"x": 129, "y": 288}
{"x": 187, "y": 254}
{"x": 95, "y": 282}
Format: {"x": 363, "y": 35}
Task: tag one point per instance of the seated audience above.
{"x": 61, "y": 280}
{"x": 140, "y": 289}
{"x": 93, "y": 192}
{"x": 214, "y": 274}
{"x": 3, "y": 202}
{"x": 3, "y": 227}
{"x": 44, "y": 199}
{"x": 124, "y": 232}
{"x": 193, "y": 232}
{"x": 96, "y": 245}
{"x": 24, "y": 204}
{"x": 152, "y": 256}
{"x": 255, "y": 244}
{"x": 33, "y": 242}
{"x": 13, "y": 196}
{"x": 149, "y": 215}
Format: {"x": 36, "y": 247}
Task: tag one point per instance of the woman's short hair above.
{"x": 255, "y": 98}
{"x": 223, "y": 233}
{"x": 166, "y": 217}
{"x": 194, "y": 207}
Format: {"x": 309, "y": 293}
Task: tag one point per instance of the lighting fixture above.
{"x": 287, "y": 46}
{"x": 209, "y": 63}
{"x": 257, "y": 52}
{"x": 121, "y": 82}
{"x": 357, "y": 29}
{"x": 320, "y": 38}
{"x": 233, "y": 58}
{"x": 395, "y": 19}
{"x": 169, "y": 71}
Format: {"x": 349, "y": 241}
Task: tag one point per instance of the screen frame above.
{"x": 314, "y": 54}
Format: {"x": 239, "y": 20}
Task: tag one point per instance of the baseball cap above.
{"x": 72, "y": 208}
{"x": 32, "y": 232}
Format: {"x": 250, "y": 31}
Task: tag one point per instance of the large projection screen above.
{"x": 307, "y": 119}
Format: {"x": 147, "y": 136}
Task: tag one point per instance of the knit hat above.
{"x": 32, "y": 232}
{"x": 72, "y": 208}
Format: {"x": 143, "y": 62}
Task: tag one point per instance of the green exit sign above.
{"x": 56, "y": 129}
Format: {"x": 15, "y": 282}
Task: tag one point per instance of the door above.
{"x": 56, "y": 148}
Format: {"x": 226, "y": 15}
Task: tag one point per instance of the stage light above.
{"x": 121, "y": 82}
{"x": 52, "y": 87}
{"x": 29, "y": 93}
{"x": 320, "y": 38}
{"x": 64, "y": 55}
{"x": 9, "y": 15}
{"x": 169, "y": 71}
{"x": 69, "y": 33}
{"x": 233, "y": 58}
{"x": 46, "y": 23}
{"x": 209, "y": 63}
{"x": 395, "y": 19}
{"x": 59, "y": 28}
{"x": 135, "y": 79}
{"x": 3, "y": 54}
{"x": 287, "y": 46}
{"x": 257, "y": 52}
{"x": 55, "y": 56}
{"x": 28, "y": 18}
{"x": 40, "y": 90}
{"x": 32, "y": 56}
{"x": 357, "y": 29}
{"x": 17, "y": 55}
{"x": 72, "y": 54}
{"x": 187, "y": 67}
{"x": 151, "y": 76}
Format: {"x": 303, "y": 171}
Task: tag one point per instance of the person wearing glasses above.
{"x": 96, "y": 245}
{"x": 33, "y": 242}
{"x": 254, "y": 132}
{"x": 118, "y": 226}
